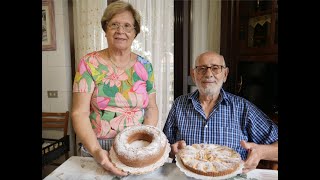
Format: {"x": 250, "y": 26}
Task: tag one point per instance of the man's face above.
{"x": 209, "y": 80}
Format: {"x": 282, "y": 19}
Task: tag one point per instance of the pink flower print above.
{"x": 82, "y": 86}
{"x": 82, "y": 67}
{"x": 115, "y": 78}
{"x": 141, "y": 71}
{"x": 128, "y": 116}
{"x": 134, "y": 99}
{"x": 102, "y": 102}
{"x": 103, "y": 128}
{"x": 93, "y": 61}
{"x": 140, "y": 88}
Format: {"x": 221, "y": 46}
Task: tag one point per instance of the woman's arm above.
{"x": 82, "y": 127}
{"x": 81, "y": 122}
{"x": 152, "y": 112}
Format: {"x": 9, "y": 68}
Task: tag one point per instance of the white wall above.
{"x": 56, "y": 70}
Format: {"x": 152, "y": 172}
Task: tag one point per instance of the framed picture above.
{"x": 48, "y": 27}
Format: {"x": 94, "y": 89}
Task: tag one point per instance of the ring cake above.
{"x": 210, "y": 159}
{"x": 133, "y": 156}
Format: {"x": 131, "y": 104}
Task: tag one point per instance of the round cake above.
{"x": 210, "y": 159}
{"x": 133, "y": 156}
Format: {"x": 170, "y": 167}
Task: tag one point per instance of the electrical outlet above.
{"x": 52, "y": 94}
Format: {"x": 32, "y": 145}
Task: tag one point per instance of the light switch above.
{"x": 52, "y": 94}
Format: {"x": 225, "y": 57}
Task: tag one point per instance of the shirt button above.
{"x": 206, "y": 126}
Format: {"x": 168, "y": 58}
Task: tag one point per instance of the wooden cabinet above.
{"x": 250, "y": 47}
{"x": 257, "y": 23}
{"x": 249, "y": 43}
{"x": 257, "y": 56}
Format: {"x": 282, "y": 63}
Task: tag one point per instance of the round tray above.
{"x": 143, "y": 170}
{"x": 198, "y": 176}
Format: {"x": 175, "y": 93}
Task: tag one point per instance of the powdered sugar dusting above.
{"x": 198, "y": 176}
{"x": 221, "y": 158}
{"x": 143, "y": 170}
{"x": 131, "y": 151}
{"x": 139, "y": 144}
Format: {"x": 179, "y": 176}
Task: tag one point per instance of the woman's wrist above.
{"x": 98, "y": 155}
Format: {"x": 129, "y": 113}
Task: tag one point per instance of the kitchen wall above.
{"x": 56, "y": 71}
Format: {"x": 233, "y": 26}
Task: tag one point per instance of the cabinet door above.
{"x": 258, "y": 27}
{"x": 256, "y": 62}
{"x": 258, "y": 83}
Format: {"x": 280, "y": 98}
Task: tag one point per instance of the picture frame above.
{"x": 48, "y": 26}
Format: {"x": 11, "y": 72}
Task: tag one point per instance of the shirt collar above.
{"x": 195, "y": 96}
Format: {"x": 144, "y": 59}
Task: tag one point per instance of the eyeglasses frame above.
{"x": 121, "y": 25}
{"x": 209, "y": 67}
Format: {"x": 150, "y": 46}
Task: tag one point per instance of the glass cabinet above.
{"x": 258, "y": 26}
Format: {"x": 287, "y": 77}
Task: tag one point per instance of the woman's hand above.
{"x": 102, "y": 157}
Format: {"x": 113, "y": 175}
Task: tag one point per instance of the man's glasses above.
{"x": 215, "y": 69}
{"x": 126, "y": 27}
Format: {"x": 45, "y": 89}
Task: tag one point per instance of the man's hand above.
{"x": 176, "y": 147}
{"x": 253, "y": 157}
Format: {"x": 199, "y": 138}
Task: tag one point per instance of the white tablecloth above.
{"x": 85, "y": 168}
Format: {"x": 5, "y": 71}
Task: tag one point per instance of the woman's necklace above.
{"x": 119, "y": 67}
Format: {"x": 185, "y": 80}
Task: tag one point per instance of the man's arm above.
{"x": 257, "y": 152}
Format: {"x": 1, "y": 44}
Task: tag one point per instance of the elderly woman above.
{"x": 113, "y": 88}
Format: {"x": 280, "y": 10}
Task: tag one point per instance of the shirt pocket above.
{"x": 232, "y": 135}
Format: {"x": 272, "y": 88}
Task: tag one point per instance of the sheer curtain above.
{"x": 205, "y": 25}
{"x": 155, "y": 41}
{"x": 88, "y": 35}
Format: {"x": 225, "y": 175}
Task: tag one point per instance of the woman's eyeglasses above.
{"x": 126, "y": 27}
{"x": 215, "y": 69}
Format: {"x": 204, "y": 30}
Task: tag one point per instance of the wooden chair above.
{"x": 53, "y": 148}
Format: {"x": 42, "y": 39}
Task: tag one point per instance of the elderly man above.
{"x": 213, "y": 116}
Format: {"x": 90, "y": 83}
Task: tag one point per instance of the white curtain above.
{"x": 155, "y": 41}
{"x": 205, "y": 34}
{"x": 205, "y": 28}
{"x": 88, "y": 34}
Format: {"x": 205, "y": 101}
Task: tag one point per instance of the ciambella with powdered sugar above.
{"x": 133, "y": 156}
{"x": 210, "y": 159}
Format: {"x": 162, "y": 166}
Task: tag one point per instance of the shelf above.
{"x": 259, "y": 58}
{"x": 258, "y": 29}
{"x": 260, "y": 13}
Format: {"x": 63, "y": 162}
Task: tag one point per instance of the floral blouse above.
{"x": 119, "y": 96}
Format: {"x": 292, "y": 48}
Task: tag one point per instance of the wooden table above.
{"x": 85, "y": 168}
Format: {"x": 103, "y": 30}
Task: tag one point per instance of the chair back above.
{"x": 56, "y": 120}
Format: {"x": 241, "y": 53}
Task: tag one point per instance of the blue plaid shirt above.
{"x": 232, "y": 119}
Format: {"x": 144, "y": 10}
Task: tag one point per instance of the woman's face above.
{"x": 118, "y": 38}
